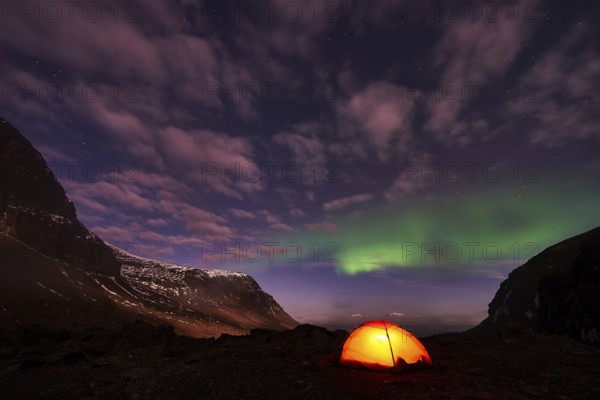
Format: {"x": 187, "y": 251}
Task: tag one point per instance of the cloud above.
{"x": 410, "y": 180}
{"x": 158, "y": 222}
{"x": 154, "y": 252}
{"x": 19, "y": 91}
{"x": 565, "y": 90}
{"x": 395, "y": 314}
{"x": 132, "y": 201}
{"x": 378, "y": 117}
{"x": 54, "y": 156}
{"x": 172, "y": 240}
{"x": 79, "y": 44}
{"x": 269, "y": 218}
{"x": 308, "y": 150}
{"x": 282, "y": 227}
{"x": 197, "y": 221}
{"x": 114, "y": 234}
{"x": 214, "y": 160}
{"x": 238, "y": 213}
{"x": 327, "y": 227}
{"x": 147, "y": 53}
{"x": 402, "y": 188}
{"x": 211, "y": 158}
{"x": 135, "y": 239}
{"x": 297, "y": 212}
{"x": 294, "y": 30}
{"x": 471, "y": 54}
{"x": 275, "y": 222}
{"x": 118, "y": 194}
{"x": 347, "y": 201}
{"x": 358, "y": 315}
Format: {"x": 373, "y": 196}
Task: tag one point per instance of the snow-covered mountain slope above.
{"x": 233, "y": 298}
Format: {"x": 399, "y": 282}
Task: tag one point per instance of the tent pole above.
{"x": 390, "y": 343}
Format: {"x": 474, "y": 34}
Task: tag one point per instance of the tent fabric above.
{"x": 382, "y": 345}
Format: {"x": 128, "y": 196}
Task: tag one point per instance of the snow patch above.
{"x": 114, "y": 279}
{"x": 500, "y": 311}
{"x": 58, "y": 219}
{"x": 128, "y": 259}
{"x": 51, "y": 290}
{"x": 214, "y": 273}
{"x": 590, "y": 335}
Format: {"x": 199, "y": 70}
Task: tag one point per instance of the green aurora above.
{"x": 468, "y": 229}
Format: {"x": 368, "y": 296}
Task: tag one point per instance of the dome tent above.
{"x": 382, "y": 345}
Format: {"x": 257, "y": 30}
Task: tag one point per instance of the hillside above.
{"x": 55, "y": 272}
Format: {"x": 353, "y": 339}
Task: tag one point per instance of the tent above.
{"x": 382, "y": 345}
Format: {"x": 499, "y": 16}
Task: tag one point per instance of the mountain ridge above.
{"x": 35, "y": 209}
{"x": 556, "y": 292}
{"x": 53, "y": 268}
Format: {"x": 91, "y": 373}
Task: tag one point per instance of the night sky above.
{"x": 360, "y": 159}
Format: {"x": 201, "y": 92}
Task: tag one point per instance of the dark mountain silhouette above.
{"x": 557, "y": 291}
{"x": 55, "y": 272}
{"x": 35, "y": 210}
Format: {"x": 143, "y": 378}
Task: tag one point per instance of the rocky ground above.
{"x": 144, "y": 362}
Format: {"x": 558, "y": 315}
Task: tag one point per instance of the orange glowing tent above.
{"x": 382, "y": 345}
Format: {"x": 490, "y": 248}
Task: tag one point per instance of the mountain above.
{"x": 218, "y": 295}
{"x": 557, "y": 291}
{"x": 35, "y": 210}
{"x": 55, "y": 272}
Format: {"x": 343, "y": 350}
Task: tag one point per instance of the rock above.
{"x": 74, "y": 358}
{"x": 48, "y": 223}
{"x": 557, "y": 292}
{"x": 320, "y": 338}
{"x": 63, "y": 337}
{"x": 32, "y": 363}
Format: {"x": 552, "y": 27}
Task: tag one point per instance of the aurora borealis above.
{"x": 486, "y": 228}
{"x": 413, "y": 152}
